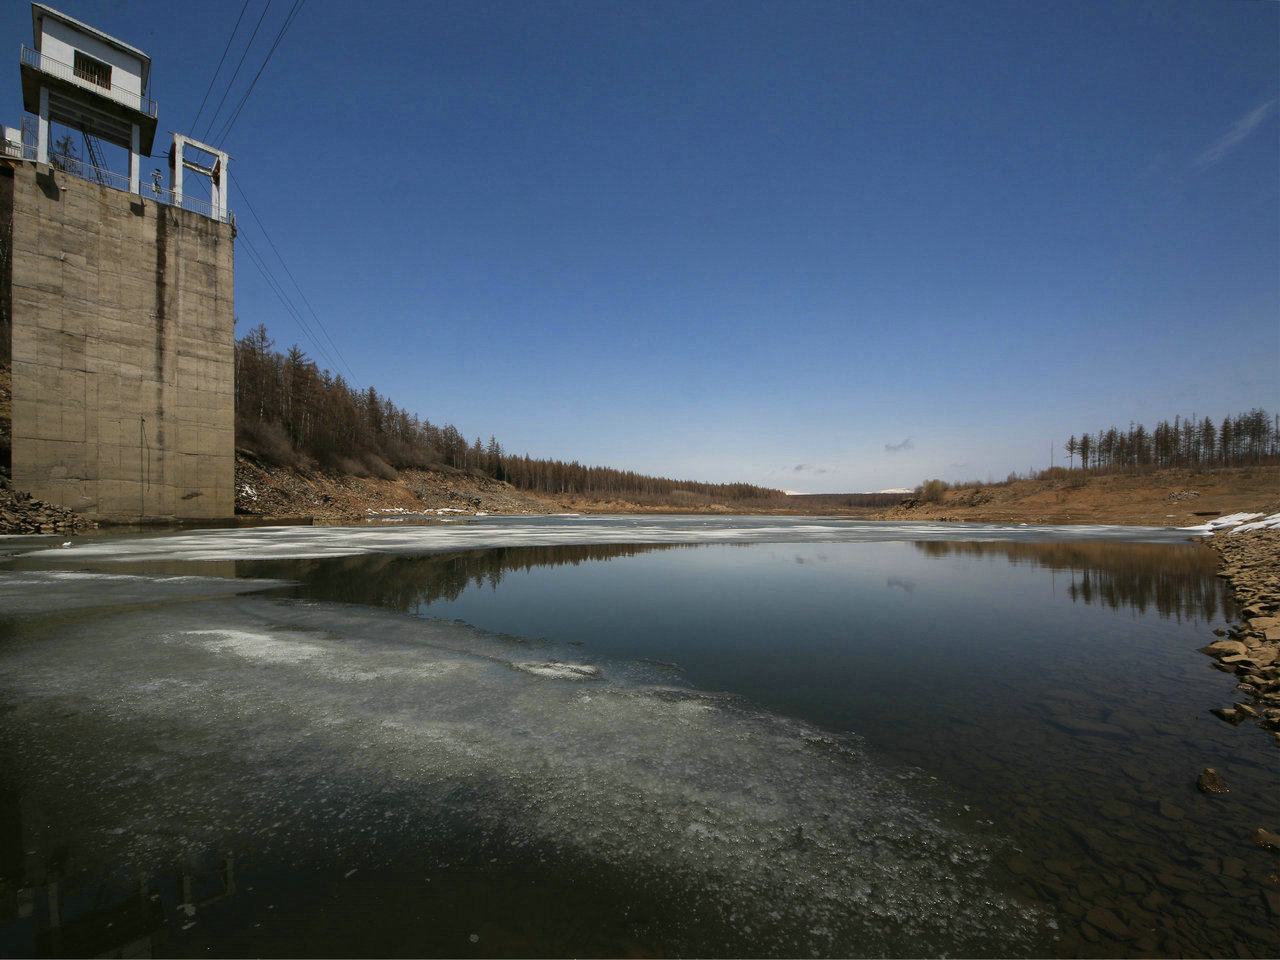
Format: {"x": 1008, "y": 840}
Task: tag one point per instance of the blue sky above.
{"x": 817, "y": 246}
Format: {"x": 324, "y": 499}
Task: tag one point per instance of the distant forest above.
{"x": 1245, "y": 439}
{"x": 291, "y": 413}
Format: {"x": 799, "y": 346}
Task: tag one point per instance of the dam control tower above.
{"x": 116, "y": 291}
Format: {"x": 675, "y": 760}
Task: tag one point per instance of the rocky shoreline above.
{"x": 21, "y": 514}
{"x": 1250, "y": 650}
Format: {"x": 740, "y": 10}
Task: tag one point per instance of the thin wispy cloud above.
{"x": 896, "y": 447}
{"x": 808, "y": 468}
{"x": 1240, "y": 131}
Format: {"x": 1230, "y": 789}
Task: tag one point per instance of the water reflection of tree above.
{"x": 409, "y": 583}
{"x": 1177, "y": 580}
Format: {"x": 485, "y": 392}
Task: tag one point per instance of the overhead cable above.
{"x": 318, "y": 322}
{"x": 231, "y": 82}
{"x": 282, "y": 295}
{"x": 214, "y": 78}
{"x": 288, "y": 22}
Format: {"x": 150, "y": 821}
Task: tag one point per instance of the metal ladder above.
{"x": 94, "y": 150}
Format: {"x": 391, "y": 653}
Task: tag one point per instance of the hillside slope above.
{"x": 1160, "y": 498}
{"x": 1163, "y": 498}
{"x": 264, "y": 490}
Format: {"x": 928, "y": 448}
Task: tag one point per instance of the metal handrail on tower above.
{"x": 64, "y": 71}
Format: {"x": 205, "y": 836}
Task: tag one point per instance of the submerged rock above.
{"x": 1267, "y": 840}
{"x": 1228, "y": 715}
{"x": 1210, "y": 782}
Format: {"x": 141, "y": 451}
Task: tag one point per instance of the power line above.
{"x": 254, "y": 255}
{"x": 288, "y": 22}
{"x": 318, "y": 322}
{"x": 231, "y": 82}
{"x": 218, "y": 69}
{"x": 282, "y": 295}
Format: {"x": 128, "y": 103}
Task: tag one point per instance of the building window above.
{"x": 95, "y": 71}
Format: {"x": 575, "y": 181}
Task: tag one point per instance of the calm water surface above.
{"x": 645, "y": 736}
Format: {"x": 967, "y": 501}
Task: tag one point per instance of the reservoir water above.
{"x": 649, "y": 736}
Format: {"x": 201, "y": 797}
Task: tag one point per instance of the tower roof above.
{"x": 39, "y": 11}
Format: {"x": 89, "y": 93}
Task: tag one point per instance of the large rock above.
{"x": 1265, "y": 655}
{"x": 1225, "y": 648}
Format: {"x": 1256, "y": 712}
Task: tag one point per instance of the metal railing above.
{"x": 76, "y": 167}
{"x": 87, "y": 171}
{"x": 186, "y": 202}
{"x": 64, "y": 71}
{"x": 18, "y": 150}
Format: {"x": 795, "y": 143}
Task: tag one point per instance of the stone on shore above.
{"x": 1225, "y": 648}
{"x": 20, "y": 514}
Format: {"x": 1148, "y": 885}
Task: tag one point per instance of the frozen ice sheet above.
{"x": 486, "y": 532}
{"x": 24, "y": 594}
{"x": 286, "y": 726}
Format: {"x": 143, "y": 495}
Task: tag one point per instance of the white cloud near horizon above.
{"x": 1239, "y": 132}
{"x": 895, "y": 447}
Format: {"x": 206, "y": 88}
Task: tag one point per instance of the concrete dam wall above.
{"x": 122, "y": 348}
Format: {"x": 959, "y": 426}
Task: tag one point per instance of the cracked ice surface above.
{"x": 280, "y": 726}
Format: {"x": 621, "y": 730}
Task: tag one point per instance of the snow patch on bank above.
{"x": 1236, "y": 523}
